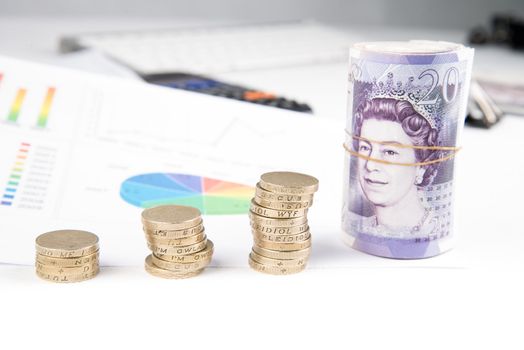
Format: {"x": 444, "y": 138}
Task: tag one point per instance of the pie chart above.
{"x": 211, "y": 196}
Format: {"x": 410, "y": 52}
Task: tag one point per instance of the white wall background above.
{"x": 460, "y": 14}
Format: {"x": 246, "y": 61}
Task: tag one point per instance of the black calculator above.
{"x": 205, "y": 85}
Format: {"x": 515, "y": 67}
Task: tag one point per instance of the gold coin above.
{"x": 279, "y": 230}
{"x": 177, "y": 242}
{"x": 277, "y": 222}
{"x": 276, "y": 214}
{"x": 284, "y": 246}
{"x": 276, "y": 262}
{"x": 175, "y": 233}
{"x": 282, "y": 205}
{"x": 68, "y": 262}
{"x": 296, "y": 238}
{"x": 67, "y": 278}
{"x": 158, "y": 272}
{"x": 182, "y": 250}
{"x": 273, "y": 270}
{"x": 284, "y": 255}
{"x": 66, "y": 243}
{"x": 201, "y": 255}
{"x": 180, "y": 267}
{"x": 171, "y": 217}
{"x": 70, "y": 271}
{"x": 286, "y": 182}
{"x": 277, "y": 197}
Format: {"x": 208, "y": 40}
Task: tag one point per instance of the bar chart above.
{"x": 28, "y": 175}
{"x": 46, "y": 108}
{"x": 21, "y": 102}
{"x": 17, "y": 105}
{"x": 15, "y": 175}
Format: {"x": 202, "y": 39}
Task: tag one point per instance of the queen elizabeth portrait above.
{"x": 397, "y": 151}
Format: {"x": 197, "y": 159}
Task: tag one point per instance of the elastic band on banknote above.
{"x": 400, "y": 145}
{"x": 453, "y": 150}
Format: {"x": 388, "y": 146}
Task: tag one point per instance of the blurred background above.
{"x": 423, "y": 13}
{"x": 289, "y": 54}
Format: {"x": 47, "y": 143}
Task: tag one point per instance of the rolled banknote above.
{"x": 406, "y": 109}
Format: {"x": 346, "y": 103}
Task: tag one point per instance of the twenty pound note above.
{"x": 406, "y": 109}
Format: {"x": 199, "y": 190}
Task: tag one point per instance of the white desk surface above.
{"x": 471, "y": 297}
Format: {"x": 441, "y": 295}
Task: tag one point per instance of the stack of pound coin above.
{"x": 176, "y": 236}
{"x": 278, "y": 217}
{"x": 67, "y": 256}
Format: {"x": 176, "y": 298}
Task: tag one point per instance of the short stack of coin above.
{"x": 67, "y": 256}
{"x": 176, "y": 236}
{"x": 278, "y": 216}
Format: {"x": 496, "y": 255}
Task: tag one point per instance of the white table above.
{"x": 471, "y": 297}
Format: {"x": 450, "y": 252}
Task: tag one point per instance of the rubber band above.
{"x": 400, "y": 145}
{"x": 439, "y": 160}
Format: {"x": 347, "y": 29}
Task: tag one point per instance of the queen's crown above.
{"x": 424, "y": 101}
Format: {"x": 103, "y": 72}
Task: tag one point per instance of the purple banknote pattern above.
{"x": 406, "y": 110}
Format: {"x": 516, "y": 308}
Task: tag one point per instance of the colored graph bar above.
{"x": 46, "y": 107}
{"x": 15, "y": 176}
{"x": 17, "y": 105}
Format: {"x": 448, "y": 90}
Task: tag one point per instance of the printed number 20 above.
{"x": 450, "y": 78}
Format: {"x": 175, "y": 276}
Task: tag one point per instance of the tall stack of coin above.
{"x": 176, "y": 236}
{"x": 67, "y": 256}
{"x": 278, "y": 215}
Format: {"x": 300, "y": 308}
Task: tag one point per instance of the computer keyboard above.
{"x": 209, "y": 50}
